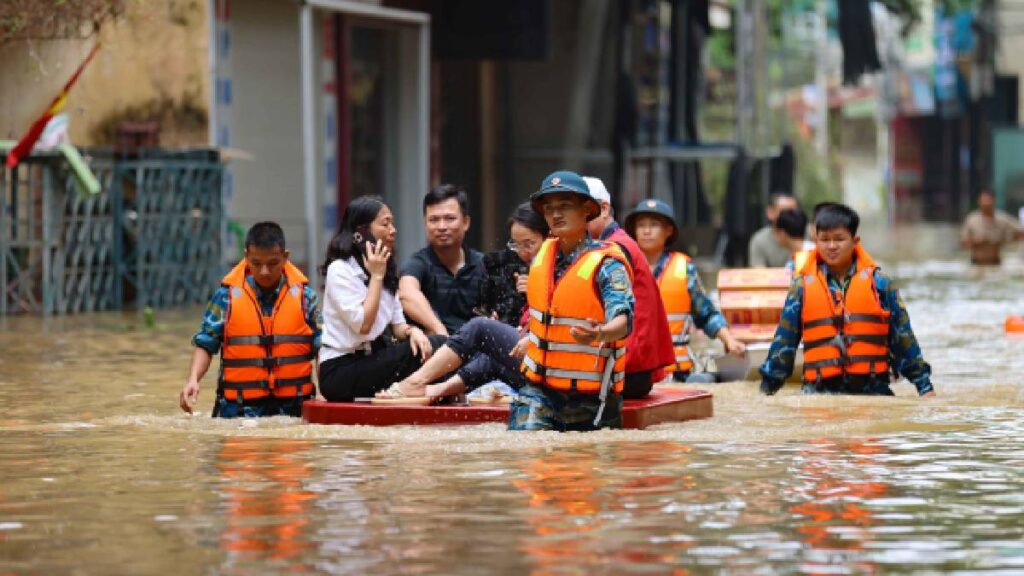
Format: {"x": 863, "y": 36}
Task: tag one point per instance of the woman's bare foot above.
{"x": 449, "y": 387}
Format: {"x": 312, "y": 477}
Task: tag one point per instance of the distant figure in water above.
{"x": 986, "y": 230}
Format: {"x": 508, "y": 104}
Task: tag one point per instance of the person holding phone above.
{"x": 357, "y": 356}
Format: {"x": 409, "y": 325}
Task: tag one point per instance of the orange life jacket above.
{"x": 850, "y": 336}
{"x": 676, "y": 298}
{"x": 266, "y": 355}
{"x": 553, "y": 358}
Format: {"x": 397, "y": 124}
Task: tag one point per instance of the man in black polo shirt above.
{"x": 439, "y": 285}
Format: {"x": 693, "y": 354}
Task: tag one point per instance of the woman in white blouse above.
{"x": 357, "y": 358}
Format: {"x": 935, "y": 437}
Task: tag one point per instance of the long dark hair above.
{"x": 359, "y": 214}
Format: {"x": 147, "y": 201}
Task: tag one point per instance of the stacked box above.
{"x": 751, "y": 299}
{"x": 752, "y": 306}
{"x": 754, "y": 279}
{"x": 753, "y": 332}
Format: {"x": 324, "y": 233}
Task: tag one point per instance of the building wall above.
{"x": 266, "y": 118}
{"x": 154, "y": 57}
{"x": 266, "y": 126}
{"x": 1011, "y": 45}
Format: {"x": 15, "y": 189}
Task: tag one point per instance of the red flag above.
{"x": 27, "y": 141}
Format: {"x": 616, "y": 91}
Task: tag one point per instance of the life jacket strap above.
{"x": 869, "y": 318}
{"x": 269, "y": 339}
{"x": 267, "y": 362}
{"x": 550, "y": 320}
{"x": 843, "y": 341}
{"x": 547, "y": 345}
{"x": 571, "y": 374}
{"x": 845, "y": 361}
{"x": 240, "y": 387}
{"x": 681, "y": 339}
{"x": 826, "y": 321}
{"x": 606, "y": 384}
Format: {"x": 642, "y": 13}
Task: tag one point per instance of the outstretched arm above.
{"x": 904, "y": 350}
{"x": 779, "y": 364}
{"x": 201, "y": 360}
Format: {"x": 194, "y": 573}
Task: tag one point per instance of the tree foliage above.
{"x": 55, "y": 19}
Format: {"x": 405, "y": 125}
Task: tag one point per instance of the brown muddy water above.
{"x": 101, "y": 473}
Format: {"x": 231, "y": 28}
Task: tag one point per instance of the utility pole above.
{"x": 821, "y": 79}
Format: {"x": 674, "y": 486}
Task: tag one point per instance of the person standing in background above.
{"x": 764, "y": 251}
{"x": 986, "y": 230}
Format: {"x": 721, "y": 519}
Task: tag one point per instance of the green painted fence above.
{"x": 150, "y": 237}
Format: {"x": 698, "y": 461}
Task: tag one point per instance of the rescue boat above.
{"x": 664, "y": 404}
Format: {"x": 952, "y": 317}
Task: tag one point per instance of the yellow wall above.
{"x": 155, "y": 53}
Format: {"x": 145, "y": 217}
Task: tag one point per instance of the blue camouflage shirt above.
{"x": 904, "y": 351}
{"x": 703, "y": 310}
{"x": 612, "y": 281}
{"x": 211, "y": 330}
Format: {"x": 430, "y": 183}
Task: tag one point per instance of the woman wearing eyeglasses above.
{"x": 503, "y": 291}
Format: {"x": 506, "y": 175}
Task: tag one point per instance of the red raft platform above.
{"x": 664, "y": 404}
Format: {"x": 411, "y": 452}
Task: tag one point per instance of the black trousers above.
{"x": 860, "y": 385}
{"x": 637, "y": 385}
{"x": 360, "y": 375}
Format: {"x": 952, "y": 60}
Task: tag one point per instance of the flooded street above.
{"x": 102, "y": 474}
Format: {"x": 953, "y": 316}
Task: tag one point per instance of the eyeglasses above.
{"x": 516, "y": 247}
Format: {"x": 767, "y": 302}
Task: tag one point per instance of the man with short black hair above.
{"x": 849, "y": 316}
{"x": 265, "y": 322}
{"x": 439, "y": 285}
{"x": 764, "y": 250}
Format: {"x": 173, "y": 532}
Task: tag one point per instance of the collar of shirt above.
{"x": 266, "y": 298}
{"x": 837, "y": 284}
{"x": 609, "y": 230}
{"x": 470, "y": 259}
{"x": 566, "y": 260}
{"x": 659, "y": 266}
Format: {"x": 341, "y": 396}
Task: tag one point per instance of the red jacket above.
{"x": 649, "y": 346}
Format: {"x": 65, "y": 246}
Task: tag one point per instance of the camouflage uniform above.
{"x": 904, "y": 351}
{"x": 540, "y": 408}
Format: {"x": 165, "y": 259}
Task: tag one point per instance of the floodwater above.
{"x": 102, "y": 474}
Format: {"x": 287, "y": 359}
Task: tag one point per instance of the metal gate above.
{"x": 151, "y": 237}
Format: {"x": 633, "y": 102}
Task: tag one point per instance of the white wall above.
{"x": 266, "y": 123}
{"x": 267, "y": 118}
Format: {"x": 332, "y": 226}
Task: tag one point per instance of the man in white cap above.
{"x": 649, "y": 348}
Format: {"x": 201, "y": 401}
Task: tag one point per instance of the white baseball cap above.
{"x": 597, "y": 190}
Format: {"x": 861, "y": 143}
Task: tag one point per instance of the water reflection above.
{"x": 265, "y": 502}
{"x": 101, "y": 473}
{"x": 832, "y": 502}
